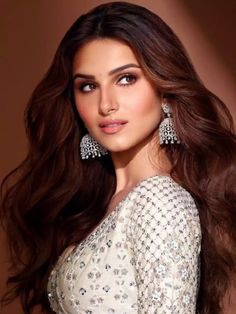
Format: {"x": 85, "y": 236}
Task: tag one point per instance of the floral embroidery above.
{"x": 143, "y": 258}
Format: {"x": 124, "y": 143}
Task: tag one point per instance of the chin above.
{"x": 120, "y": 148}
{"x": 116, "y": 149}
{"x": 114, "y": 146}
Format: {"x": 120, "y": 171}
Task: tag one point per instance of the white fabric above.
{"x": 142, "y": 258}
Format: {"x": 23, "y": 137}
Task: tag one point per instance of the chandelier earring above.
{"x": 167, "y": 131}
{"x": 89, "y": 148}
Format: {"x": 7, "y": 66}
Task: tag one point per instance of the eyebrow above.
{"x": 92, "y": 77}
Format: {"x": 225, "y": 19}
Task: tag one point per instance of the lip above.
{"x": 112, "y": 126}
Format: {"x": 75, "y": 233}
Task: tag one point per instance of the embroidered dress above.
{"x": 143, "y": 258}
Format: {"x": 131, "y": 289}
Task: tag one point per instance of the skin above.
{"x": 121, "y": 94}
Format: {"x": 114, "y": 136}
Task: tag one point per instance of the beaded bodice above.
{"x": 142, "y": 258}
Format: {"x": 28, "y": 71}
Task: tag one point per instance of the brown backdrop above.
{"x": 31, "y": 30}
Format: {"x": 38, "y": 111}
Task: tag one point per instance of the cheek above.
{"x": 84, "y": 114}
{"x": 145, "y": 103}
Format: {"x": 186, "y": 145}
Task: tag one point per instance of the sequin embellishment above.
{"x": 143, "y": 258}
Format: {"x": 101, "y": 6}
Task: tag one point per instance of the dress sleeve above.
{"x": 165, "y": 236}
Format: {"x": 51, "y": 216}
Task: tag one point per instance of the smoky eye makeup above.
{"x": 84, "y": 86}
{"x": 124, "y": 79}
{"x": 127, "y": 79}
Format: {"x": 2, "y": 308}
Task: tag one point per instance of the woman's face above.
{"x": 116, "y": 102}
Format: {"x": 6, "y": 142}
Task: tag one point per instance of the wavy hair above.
{"x": 46, "y": 200}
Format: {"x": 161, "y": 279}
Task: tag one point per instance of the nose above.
{"x": 107, "y": 102}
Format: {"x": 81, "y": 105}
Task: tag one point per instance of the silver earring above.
{"x": 167, "y": 132}
{"x": 91, "y": 148}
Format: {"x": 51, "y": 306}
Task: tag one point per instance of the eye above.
{"x": 127, "y": 79}
{"x": 86, "y": 87}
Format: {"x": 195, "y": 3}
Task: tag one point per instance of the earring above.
{"x": 91, "y": 148}
{"x": 167, "y": 132}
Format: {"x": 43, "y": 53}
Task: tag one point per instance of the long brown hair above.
{"x": 46, "y": 200}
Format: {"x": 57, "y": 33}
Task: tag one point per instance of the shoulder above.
{"x": 162, "y": 199}
{"x": 165, "y": 242}
{"x": 163, "y": 190}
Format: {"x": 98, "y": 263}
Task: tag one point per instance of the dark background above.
{"x": 30, "y": 32}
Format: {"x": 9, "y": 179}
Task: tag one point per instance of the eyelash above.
{"x": 132, "y": 76}
{"x": 125, "y": 75}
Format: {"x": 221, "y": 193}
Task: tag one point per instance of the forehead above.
{"x": 102, "y": 55}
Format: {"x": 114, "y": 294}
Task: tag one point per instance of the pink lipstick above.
{"x": 112, "y": 126}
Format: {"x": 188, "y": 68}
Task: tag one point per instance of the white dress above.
{"x": 142, "y": 258}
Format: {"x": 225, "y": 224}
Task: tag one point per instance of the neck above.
{"x": 138, "y": 163}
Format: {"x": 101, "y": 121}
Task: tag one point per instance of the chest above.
{"x": 99, "y": 270}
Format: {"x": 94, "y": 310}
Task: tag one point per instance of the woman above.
{"x": 126, "y": 200}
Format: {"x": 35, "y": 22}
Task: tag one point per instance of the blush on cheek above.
{"x": 145, "y": 101}
{"x": 84, "y": 114}
{"x": 147, "y": 106}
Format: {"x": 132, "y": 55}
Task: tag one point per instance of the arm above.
{"x": 165, "y": 233}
